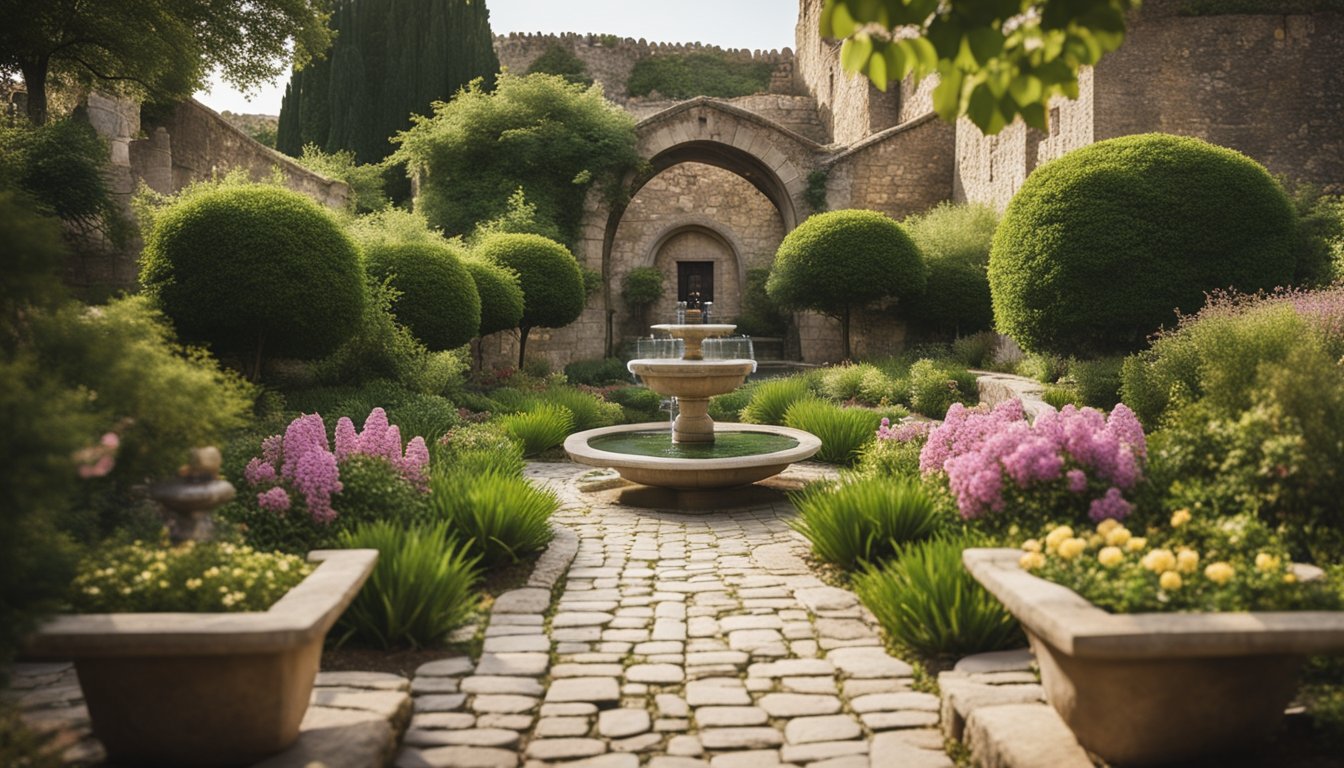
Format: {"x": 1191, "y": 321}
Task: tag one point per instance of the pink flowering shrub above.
{"x": 301, "y": 463}
{"x": 1070, "y": 462}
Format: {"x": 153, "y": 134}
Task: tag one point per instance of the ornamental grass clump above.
{"x": 420, "y": 589}
{"x": 843, "y": 431}
{"x": 865, "y": 520}
{"x": 504, "y": 517}
{"x": 771, "y": 399}
{"x": 926, "y": 600}
{"x": 589, "y": 411}
{"x": 539, "y": 429}
{"x": 1189, "y": 563}
{"x": 192, "y": 578}
{"x": 478, "y": 448}
{"x": 1067, "y": 465}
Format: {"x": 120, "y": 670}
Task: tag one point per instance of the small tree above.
{"x": 254, "y": 269}
{"x": 552, "y": 283}
{"x": 438, "y": 300}
{"x": 641, "y": 288}
{"x": 501, "y": 295}
{"x": 840, "y": 261}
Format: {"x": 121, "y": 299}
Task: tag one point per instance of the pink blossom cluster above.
{"x": 987, "y": 454}
{"x": 301, "y": 461}
{"x": 904, "y": 432}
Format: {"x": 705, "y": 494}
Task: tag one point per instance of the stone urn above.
{"x": 212, "y": 689}
{"x": 1158, "y": 688}
{"x": 188, "y": 500}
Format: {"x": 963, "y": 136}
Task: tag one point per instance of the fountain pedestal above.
{"x": 692, "y": 382}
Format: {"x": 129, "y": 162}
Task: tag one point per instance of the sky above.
{"x": 755, "y": 24}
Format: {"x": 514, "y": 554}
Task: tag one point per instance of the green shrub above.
{"x": 366, "y": 181}
{"x": 841, "y": 261}
{"x": 728, "y": 406}
{"x": 438, "y": 300}
{"x": 540, "y": 429}
{"x": 1099, "y": 248}
{"x": 596, "y": 373}
{"x": 926, "y": 600}
{"x": 843, "y": 431}
{"x": 61, "y": 165}
{"x": 254, "y": 270}
{"x": 552, "y": 283}
{"x": 501, "y": 295}
{"x": 1058, "y": 397}
{"x": 761, "y": 316}
{"x": 519, "y": 218}
{"x": 420, "y": 589}
{"x": 890, "y": 459}
{"x": 1098, "y": 381}
{"x": 503, "y": 518}
{"x": 1319, "y": 240}
{"x": 1043, "y": 367}
{"x": 475, "y": 449}
{"x": 427, "y": 416}
{"x": 556, "y": 139}
{"x": 193, "y": 578}
{"x": 954, "y": 240}
{"x": 383, "y": 349}
{"x": 589, "y": 411}
{"x": 641, "y": 288}
{"x": 865, "y": 520}
{"x": 703, "y": 73}
{"x": 842, "y": 382}
{"x": 976, "y": 350}
{"x": 934, "y": 387}
{"x": 643, "y": 404}
{"x": 559, "y": 59}
{"x": 771, "y": 399}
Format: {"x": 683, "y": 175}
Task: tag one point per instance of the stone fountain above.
{"x": 695, "y": 453}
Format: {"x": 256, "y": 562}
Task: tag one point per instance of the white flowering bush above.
{"x": 192, "y": 578}
{"x": 1189, "y": 563}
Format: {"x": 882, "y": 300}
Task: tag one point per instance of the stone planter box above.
{"x": 1154, "y": 688}
{"x": 215, "y": 689}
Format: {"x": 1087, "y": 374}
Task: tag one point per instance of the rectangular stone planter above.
{"x": 1158, "y": 688}
{"x": 214, "y": 689}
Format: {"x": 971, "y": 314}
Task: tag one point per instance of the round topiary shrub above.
{"x": 642, "y": 287}
{"x": 1101, "y": 247}
{"x": 438, "y": 301}
{"x": 840, "y": 261}
{"x": 552, "y": 283}
{"x": 254, "y": 270}
{"x": 501, "y": 295}
{"x": 954, "y": 240}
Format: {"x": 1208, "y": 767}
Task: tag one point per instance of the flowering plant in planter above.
{"x": 1071, "y": 464}
{"x": 1193, "y": 563}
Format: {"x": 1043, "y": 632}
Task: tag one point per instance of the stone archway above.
{"x": 699, "y": 243}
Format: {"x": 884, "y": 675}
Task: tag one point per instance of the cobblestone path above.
{"x": 678, "y": 641}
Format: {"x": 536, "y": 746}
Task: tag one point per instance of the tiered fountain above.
{"x": 696, "y": 453}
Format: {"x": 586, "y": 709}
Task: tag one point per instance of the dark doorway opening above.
{"x": 695, "y": 282}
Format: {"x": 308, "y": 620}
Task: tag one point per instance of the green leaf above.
{"x": 947, "y": 95}
{"x": 923, "y": 53}
{"x": 877, "y": 71}
{"x": 899, "y": 60}
{"x": 1026, "y": 89}
{"x": 855, "y": 51}
{"x": 985, "y": 44}
{"x": 1034, "y": 115}
{"x": 982, "y": 107}
{"x": 836, "y": 21}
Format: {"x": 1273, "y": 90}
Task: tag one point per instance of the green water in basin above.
{"x": 726, "y": 445}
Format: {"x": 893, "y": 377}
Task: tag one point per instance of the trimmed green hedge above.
{"x": 954, "y": 241}
{"x": 501, "y": 295}
{"x": 438, "y": 301}
{"x": 254, "y": 270}
{"x": 553, "y": 289}
{"x": 1099, "y": 248}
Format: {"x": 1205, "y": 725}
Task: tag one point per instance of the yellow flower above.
{"x": 1030, "y": 561}
{"x": 1095, "y": 540}
{"x": 193, "y": 583}
{"x": 1187, "y": 561}
{"x": 1031, "y": 545}
{"x": 1071, "y": 548}
{"x": 1220, "y": 573}
{"x": 92, "y": 590}
{"x": 1288, "y": 578}
{"x": 1170, "y": 581}
{"x": 1119, "y": 536}
{"x": 1266, "y": 562}
{"x": 1110, "y": 557}
{"x": 1107, "y": 525}
{"x": 1159, "y": 560}
{"x": 1180, "y": 517}
{"x": 1136, "y": 544}
{"x": 1053, "y": 539}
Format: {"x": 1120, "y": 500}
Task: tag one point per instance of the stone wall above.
{"x": 904, "y": 170}
{"x": 849, "y": 107}
{"x": 796, "y": 113}
{"x": 610, "y": 59}
{"x": 1271, "y": 86}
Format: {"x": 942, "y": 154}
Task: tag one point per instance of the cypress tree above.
{"x": 391, "y": 59}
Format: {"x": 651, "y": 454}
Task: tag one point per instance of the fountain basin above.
{"x": 699, "y": 379}
{"x": 696, "y": 472}
{"x": 693, "y": 334}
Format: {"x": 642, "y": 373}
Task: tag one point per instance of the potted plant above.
{"x": 203, "y": 689}
{"x": 1177, "y": 645}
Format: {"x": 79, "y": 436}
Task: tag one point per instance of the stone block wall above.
{"x": 904, "y": 170}
{"x": 796, "y": 113}
{"x": 849, "y": 106}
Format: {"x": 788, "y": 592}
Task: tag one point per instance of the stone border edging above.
{"x": 995, "y": 388}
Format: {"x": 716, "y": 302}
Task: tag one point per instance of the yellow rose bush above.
{"x": 1192, "y": 563}
{"x": 211, "y": 577}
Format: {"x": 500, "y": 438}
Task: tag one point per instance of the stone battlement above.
{"x": 518, "y": 42}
